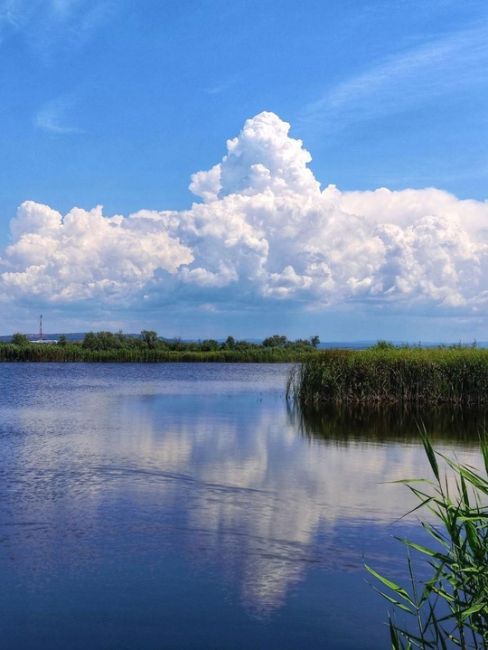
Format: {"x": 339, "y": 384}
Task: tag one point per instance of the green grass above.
{"x": 449, "y": 608}
{"x": 75, "y": 353}
{"x": 388, "y": 375}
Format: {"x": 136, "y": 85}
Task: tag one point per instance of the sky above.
{"x": 206, "y": 168}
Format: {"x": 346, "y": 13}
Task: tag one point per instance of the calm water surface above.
{"x": 185, "y": 506}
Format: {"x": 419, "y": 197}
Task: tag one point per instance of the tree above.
{"x": 90, "y": 341}
{"x": 20, "y": 339}
{"x": 209, "y": 345}
{"x": 315, "y": 341}
{"x": 230, "y": 343}
{"x": 104, "y": 341}
{"x": 150, "y": 338}
{"x": 275, "y": 341}
{"x": 62, "y": 340}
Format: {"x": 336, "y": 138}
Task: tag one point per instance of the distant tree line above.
{"x": 148, "y": 346}
{"x": 150, "y": 339}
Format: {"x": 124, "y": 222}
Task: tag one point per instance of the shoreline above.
{"x": 77, "y": 354}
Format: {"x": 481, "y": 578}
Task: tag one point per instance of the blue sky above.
{"x": 119, "y": 103}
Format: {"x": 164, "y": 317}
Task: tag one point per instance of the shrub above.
{"x": 20, "y": 339}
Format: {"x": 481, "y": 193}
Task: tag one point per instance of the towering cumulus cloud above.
{"x": 261, "y": 230}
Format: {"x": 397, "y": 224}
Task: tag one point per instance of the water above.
{"x": 184, "y": 506}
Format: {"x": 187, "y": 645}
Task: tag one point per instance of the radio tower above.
{"x": 40, "y": 328}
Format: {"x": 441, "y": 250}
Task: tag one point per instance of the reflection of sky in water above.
{"x": 162, "y": 479}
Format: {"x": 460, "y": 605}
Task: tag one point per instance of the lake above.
{"x": 188, "y": 506}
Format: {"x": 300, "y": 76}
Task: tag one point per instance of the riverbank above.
{"x": 388, "y": 375}
{"x": 76, "y": 353}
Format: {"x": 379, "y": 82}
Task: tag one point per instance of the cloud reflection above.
{"x": 225, "y": 478}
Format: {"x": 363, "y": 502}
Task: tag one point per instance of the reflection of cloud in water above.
{"x": 232, "y": 471}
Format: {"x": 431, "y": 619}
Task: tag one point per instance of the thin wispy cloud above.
{"x": 222, "y": 86}
{"x": 49, "y": 23}
{"x": 53, "y": 117}
{"x": 404, "y": 81}
{"x": 13, "y": 15}
{"x": 65, "y": 6}
{"x": 8, "y": 12}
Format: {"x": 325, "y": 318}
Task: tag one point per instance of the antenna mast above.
{"x": 40, "y": 328}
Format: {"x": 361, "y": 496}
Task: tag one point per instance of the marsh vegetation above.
{"x": 386, "y": 374}
{"x": 450, "y": 607}
{"x": 149, "y": 347}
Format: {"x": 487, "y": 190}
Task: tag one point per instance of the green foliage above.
{"x": 451, "y": 607}
{"x": 275, "y": 341}
{"x": 385, "y": 375}
{"x": 281, "y": 342}
{"x": 20, "y": 339}
{"x": 104, "y": 341}
{"x": 230, "y": 343}
{"x": 209, "y": 345}
{"x": 150, "y": 338}
{"x": 62, "y": 340}
{"x": 149, "y": 347}
{"x": 382, "y": 345}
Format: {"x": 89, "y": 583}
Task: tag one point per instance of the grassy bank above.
{"x": 75, "y": 353}
{"x": 387, "y": 375}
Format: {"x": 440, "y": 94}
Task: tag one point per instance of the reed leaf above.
{"x": 451, "y": 607}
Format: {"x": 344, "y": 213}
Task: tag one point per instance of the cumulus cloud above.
{"x": 262, "y": 229}
{"x": 85, "y": 255}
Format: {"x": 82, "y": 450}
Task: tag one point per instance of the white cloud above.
{"x": 85, "y": 255}
{"x": 265, "y": 231}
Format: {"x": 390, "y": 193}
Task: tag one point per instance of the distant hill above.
{"x": 74, "y": 336}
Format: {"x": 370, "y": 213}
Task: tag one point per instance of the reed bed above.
{"x": 454, "y": 375}
{"x": 77, "y": 353}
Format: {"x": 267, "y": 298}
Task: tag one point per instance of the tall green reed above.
{"x": 450, "y": 608}
{"x": 393, "y": 375}
{"x": 75, "y": 352}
